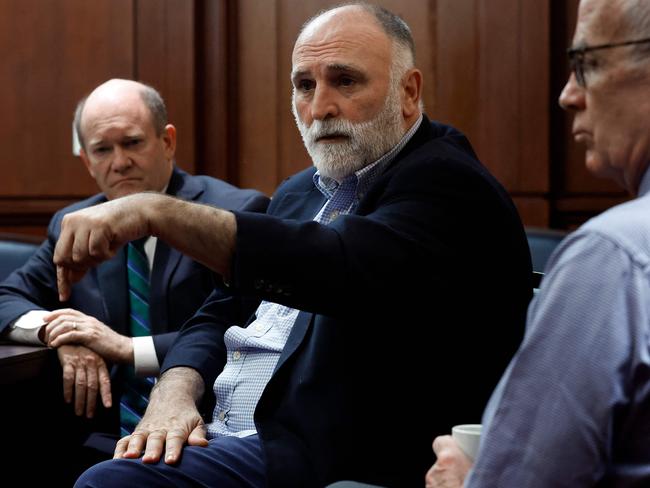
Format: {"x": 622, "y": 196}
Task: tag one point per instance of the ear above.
{"x": 84, "y": 158}
{"x": 169, "y": 140}
{"x": 412, "y": 93}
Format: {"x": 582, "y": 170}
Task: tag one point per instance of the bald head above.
{"x": 355, "y": 90}
{"x": 392, "y": 25}
{"x": 126, "y": 144}
{"x": 119, "y": 91}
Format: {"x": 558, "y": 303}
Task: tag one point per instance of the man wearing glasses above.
{"x": 573, "y": 408}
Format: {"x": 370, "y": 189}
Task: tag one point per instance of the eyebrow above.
{"x": 96, "y": 143}
{"x": 335, "y": 67}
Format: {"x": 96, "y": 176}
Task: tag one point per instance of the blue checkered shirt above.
{"x": 573, "y": 406}
{"x": 254, "y": 351}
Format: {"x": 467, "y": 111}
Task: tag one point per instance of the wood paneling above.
{"x": 53, "y": 52}
{"x": 217, "y": 89}
{"x": 534, "y": 210}
{"x": 165, "y": 58}
{"x": 72, "y": 46}
{"x": 492, "y": 68}
{"x": 258, "y": 104}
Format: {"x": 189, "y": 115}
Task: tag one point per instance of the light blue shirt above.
{"x": 573, "y": 408}
{"x": 253, "y": 351}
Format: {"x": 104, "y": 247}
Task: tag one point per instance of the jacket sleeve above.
{"x": 33, "y": 286}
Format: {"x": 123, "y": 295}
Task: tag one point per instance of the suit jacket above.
{"x": 179, "y": 285}
{"x": 430, "y": 274}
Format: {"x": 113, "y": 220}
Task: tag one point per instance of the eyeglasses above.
{"x": 577, "y": 57}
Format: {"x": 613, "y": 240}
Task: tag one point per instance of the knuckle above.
{"x": 176, "y": 434}
{"x": 158, "y": 434}
{"x": 139, "y": 433}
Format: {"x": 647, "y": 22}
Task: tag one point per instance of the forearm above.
{"x": 205, "y": 233}
{"x": 177, "y": 386}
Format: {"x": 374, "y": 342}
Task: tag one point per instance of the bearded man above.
{"x": 320, "y": 365}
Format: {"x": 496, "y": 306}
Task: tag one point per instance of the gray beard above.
{"x": 366, "y": 141}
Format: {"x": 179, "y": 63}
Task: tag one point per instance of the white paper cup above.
{"x": 468, "y": 437}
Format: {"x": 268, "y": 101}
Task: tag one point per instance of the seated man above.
{"x": 127, "y": 147}
{"x": 573, "y": 407}
{"x": 321, "y": 361}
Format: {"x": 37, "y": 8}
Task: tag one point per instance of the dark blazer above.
{"x": 179, "y": 285}
{"x": 411, "y": 308}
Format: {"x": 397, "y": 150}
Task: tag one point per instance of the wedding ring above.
{"x": 74, "y": 325}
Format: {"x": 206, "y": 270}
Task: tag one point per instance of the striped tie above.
{"x": 136, "y": 390}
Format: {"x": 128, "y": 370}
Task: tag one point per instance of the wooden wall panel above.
{"x": 73, "y": 46}
{"x": 492, "y": 83}
{"x": 533, "y": 210}
{"x": 216, "y": 89}
{"x": 165, "y": 58}
{"x": 258, "y": 94}
{"x": 457, "y": 95}
{"x": 492, "y": 68}
{"x": 53, "y": 52}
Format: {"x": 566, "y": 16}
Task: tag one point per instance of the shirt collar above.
{"x": 367, "y": 175}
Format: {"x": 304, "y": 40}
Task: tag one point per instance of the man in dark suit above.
{"x": 366, "y": 277}
{"x": 128, "y": 147}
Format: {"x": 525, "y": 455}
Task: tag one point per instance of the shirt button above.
{"x": 334, "y": 214}
{"x": 259, "y": 327}
{"x": 236, "y": 355}
{"x": 222, "y": 415}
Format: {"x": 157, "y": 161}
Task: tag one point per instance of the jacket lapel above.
{"x": 166, "y": 258}
{"x": 300, "y": 328}
{"x": 299, "y": 205}
{"x": 165, "y": 262}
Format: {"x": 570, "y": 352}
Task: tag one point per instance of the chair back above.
{"x": 15, "y": 250}
{"x": 542, "y": 243}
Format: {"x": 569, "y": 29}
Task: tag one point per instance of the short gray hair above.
{"x": 151, "y": 99}
{"x": 636, "y": 25}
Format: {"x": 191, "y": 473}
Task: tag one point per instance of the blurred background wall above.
{"x": 493, "y": 68}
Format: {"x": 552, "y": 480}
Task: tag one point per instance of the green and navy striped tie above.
{"x": 135, "y": 396}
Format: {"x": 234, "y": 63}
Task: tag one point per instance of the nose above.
{"x": 323, "y": 103}
{"x": 572, "y": 96}
{"x": 121, "y": 159}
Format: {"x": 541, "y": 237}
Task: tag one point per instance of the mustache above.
{"x": 320, "y": 129}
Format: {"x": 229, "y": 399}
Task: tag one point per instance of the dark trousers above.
{"x": 227, "y": 462}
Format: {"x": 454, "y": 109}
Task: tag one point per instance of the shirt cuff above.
{"x": 145, "y": 361}
{"x": 25, "y": 329}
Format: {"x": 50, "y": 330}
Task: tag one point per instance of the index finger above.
{"x": 62, "y": 283}
{"x": 63, "y": 249}
{"x": 66, "y": 276}
{"x": 121, "y": 447}
{"x": 441, "y": 442}
{"x": 131, "y": 446}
